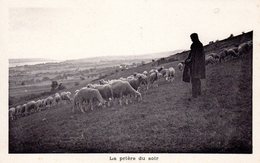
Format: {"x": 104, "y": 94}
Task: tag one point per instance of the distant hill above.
{"x": 17, "y": 60}
{"x": 29, "y": 61}
{"x": 126, "y": 57}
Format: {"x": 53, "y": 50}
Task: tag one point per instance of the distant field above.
{"x": 167, "y": 120}
{"x": 30, "y": 81}
{"x": 39, "y": 87}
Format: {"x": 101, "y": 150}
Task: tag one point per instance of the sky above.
{"x": 77, "y": 29}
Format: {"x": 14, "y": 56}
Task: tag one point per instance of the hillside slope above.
{"x": 167, "y": 120}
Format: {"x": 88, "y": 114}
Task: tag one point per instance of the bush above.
{"x": 61, "y": 87}
{"x": 54, "y": 85}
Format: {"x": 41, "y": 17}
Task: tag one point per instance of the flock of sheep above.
{"x": 103, "y": 94}
{"x": 227, "y": 53}
{"x": 122, "y": 90}
{"x": 39, "y": 105}
{"x": 115, "y": 91}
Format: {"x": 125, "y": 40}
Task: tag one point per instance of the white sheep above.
{"x": 31, "y": 106}
{"x": 86, "y": 95}
{"x": 57, "y": 98}
{"x": 170, "y": 74}
{"x": 244, "y": 48}
{"x": 68, "y": 93}
{"x": 209, "y": 60}
{"x": 250, "y": 43}
{"x": 180, "y": 66}
{"x": 137, "y": 81}
{"x": 222, "y": 55}
{"x": 12, "y": 113}
{"x": 143, "y": 79}
{"x": 65, "y": 96}
{"x": 145, "y": 73}
{"x": 166, "y": 73}
{"x": 233, "y": 52}
{"x": 40, "y": 104}
{"x": 122, "y": 89}
{"x": 105, "y": 91}
{"x": 214, "y": 55}
{"x": 153, "y": 78}
{"x": 151, "y": 71}
{"x": 18, "y": 109}
{"x": 23, "y": 109}
{"x": 102, "y": 81}
{"x": 130, "y": 77}
{"x": 163, "y": 71}
{"x": 49, "y": 101}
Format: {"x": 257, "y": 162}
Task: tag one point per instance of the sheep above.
{"x": 160, "y": 68}
{"x": 12, "y": 112}
{"x": 86, "y": 94}
{"x": 39, "y": 104}
{"x": 164, "y": 71}
{"x": 122, "y": 89}
{"x": 244, "y": 48}
{"x": 152, "y": 78}
{"x": 214, "y": 55}
{"x": 180, "y": 66}
{"x": 222, "y": 55}
{"x": 167, "y": 73}
{"x": 105, "y": 91}
{"x": 209, "y": 60}
{"x": 124, "y": 79}
{"x": 136, "y": 82}
{"x": 232, "y": 52}
{"x": 49, "y": 101}
{"x": 151, "y": 71}
{"x": 23, "y": 109}
{"x": 135, "y": 73}
{"x": 143, "y": 79}
{"x": 131, "y": 77}
{"x": 170, "y": 74}
{"x": 30, "y": 107}
{"x": 57, "y": 98}
{"x": 18, "y": 110}
{"x": 250, "y": 43}
{"x": 102, "y": 81}
{"x": 68, "y": 93}
{"x": 65, "y": 96}
{"x": 145, "y": 73}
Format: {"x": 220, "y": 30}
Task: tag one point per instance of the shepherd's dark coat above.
{"x": 197, "y": 56}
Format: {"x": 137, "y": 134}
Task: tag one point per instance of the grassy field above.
{"x": 166, "y": 120}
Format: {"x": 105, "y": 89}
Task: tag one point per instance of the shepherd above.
{"x": 196, "y": 62}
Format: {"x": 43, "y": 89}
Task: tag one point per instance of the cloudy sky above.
{"x": 87, "y": 28}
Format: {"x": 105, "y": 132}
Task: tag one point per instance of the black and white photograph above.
{"x": 130, "y": 78}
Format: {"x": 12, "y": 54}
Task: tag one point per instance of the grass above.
{"x": 166, "y": 120}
